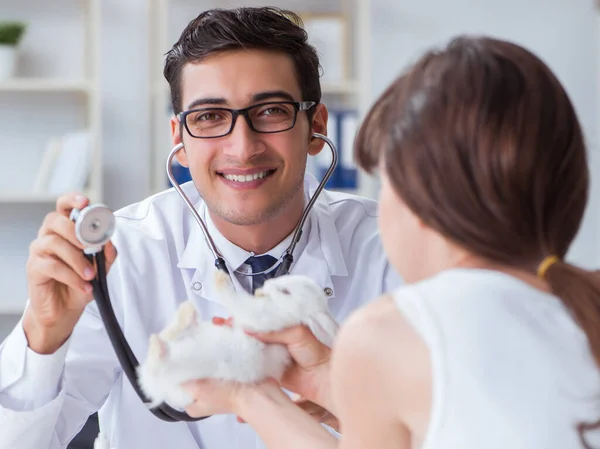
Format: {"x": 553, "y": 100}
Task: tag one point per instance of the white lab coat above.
{"x": 164, "y": 260}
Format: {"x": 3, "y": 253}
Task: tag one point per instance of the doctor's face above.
{"x": 246, "y": 177}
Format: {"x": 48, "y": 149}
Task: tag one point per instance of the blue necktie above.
{"x": 258, "y": 264}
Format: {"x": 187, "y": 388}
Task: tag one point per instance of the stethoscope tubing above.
{"x": 124, "y": 353}
{"x": 287, "y": 258}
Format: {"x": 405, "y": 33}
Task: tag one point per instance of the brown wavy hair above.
{"x": 263, "y": 28}
{"x": 481, "y": 141}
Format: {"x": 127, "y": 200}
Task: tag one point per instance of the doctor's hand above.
{"x": 58, "y": 275}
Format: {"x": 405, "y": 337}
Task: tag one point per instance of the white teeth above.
{"x": 245, "y": 178}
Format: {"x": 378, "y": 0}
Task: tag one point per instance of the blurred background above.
{"x": 83, "y": 104}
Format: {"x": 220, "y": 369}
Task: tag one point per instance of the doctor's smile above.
{"x": 245, "y": 179}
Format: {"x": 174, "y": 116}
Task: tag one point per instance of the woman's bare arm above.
{"x": 280, "y": 423}
{"x": 380, "y": 380}
{"x": 380, "y": 389}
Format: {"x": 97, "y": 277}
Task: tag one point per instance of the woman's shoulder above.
{"x": 376, "y": 322}
{"x": 378, "y": 346}
{"x": 380, "y": 340}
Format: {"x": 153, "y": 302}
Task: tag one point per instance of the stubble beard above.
{"x": 275, "y": 208}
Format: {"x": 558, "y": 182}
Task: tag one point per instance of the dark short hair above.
{"x": 482, "y": 143}
{"x": 267, "y": 28}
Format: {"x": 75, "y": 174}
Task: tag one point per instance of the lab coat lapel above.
{"x": 322, "y": 257}
{"x": 199, "y": 263}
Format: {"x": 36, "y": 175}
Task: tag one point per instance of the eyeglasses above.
{"x": 275, "y": 117}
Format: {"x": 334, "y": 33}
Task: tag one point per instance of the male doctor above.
{"x": 246, "y": 96}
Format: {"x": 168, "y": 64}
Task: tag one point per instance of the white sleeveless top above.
{"x": 511, "y": 369}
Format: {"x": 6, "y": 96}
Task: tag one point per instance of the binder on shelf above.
{"x": 66, "y": 164}
{"x": 341, "y": 129}
{"x": 348, "y": 171}
{"x": 322, "y": 161}
{"x": 180, "y": 173}
{"x": 47, "y": 164}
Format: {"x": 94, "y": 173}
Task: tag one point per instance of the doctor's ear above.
{"x": 319, "y": 125}
{"x": 176, "y": 130}
{"x": 181, "y": 157}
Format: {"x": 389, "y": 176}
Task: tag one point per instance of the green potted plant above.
{"x": 11, "y": 33}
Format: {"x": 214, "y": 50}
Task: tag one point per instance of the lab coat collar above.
{"x": 319, "y": 255}
{"x": 236, "y": 256}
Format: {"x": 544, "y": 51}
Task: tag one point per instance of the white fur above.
{"x": 189, "y": 349}
{"x": 281, "y": 302}
{"x": 101, "y": 442}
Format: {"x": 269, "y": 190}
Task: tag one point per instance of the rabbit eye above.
{"x": 285, "y": 291}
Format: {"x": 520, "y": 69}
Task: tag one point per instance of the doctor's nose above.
{"x": 243, "y": 143}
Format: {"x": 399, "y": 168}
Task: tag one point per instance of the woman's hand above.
{"x": 212, "y": 397}
{"x": 308, "y": 375}
{"x": 265, "y": 407}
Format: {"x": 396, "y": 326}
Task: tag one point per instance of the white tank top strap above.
{"x": 416, "y": 311}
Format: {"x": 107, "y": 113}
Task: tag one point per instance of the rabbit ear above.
{"x": 185, "y": 319}
{"x": 187, "y": 314}
{"x": 226, "y": 291}
{"x": 324, "y": 327}
{"x": 223, "y": 282}
{"x": 157, "y": 352}
{"x": 157, "y": 348}
{"x": 101, "y": 442}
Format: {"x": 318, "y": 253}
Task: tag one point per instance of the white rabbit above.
{"x": 189, "y": 349}
{"x": 282, "y": 302}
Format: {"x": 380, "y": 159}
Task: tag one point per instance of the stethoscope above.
{"x": 94, "y": 227}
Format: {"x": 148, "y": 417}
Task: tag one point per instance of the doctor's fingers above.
{"x": 44, "y": 269}
{"x": 74, "y": 200}
{"x": 110, "y": 251}
{"x": 55, "y": 223}
{"x": 51, "y": 248}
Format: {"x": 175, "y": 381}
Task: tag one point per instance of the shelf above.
{"x": 27, "y": 198}
{"x": 344, "y": 88}
{"x": 44, "y": 85}
{"x": 32, "y": 198}
{"x": 347, "y": 87}
{"x": 11, "y": 307}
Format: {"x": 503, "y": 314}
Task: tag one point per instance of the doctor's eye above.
{"x": 207, "y": 116}
{"x": 275, "y": 110}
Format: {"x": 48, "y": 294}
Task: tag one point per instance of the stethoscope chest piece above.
{"x": 94, "y": 225}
